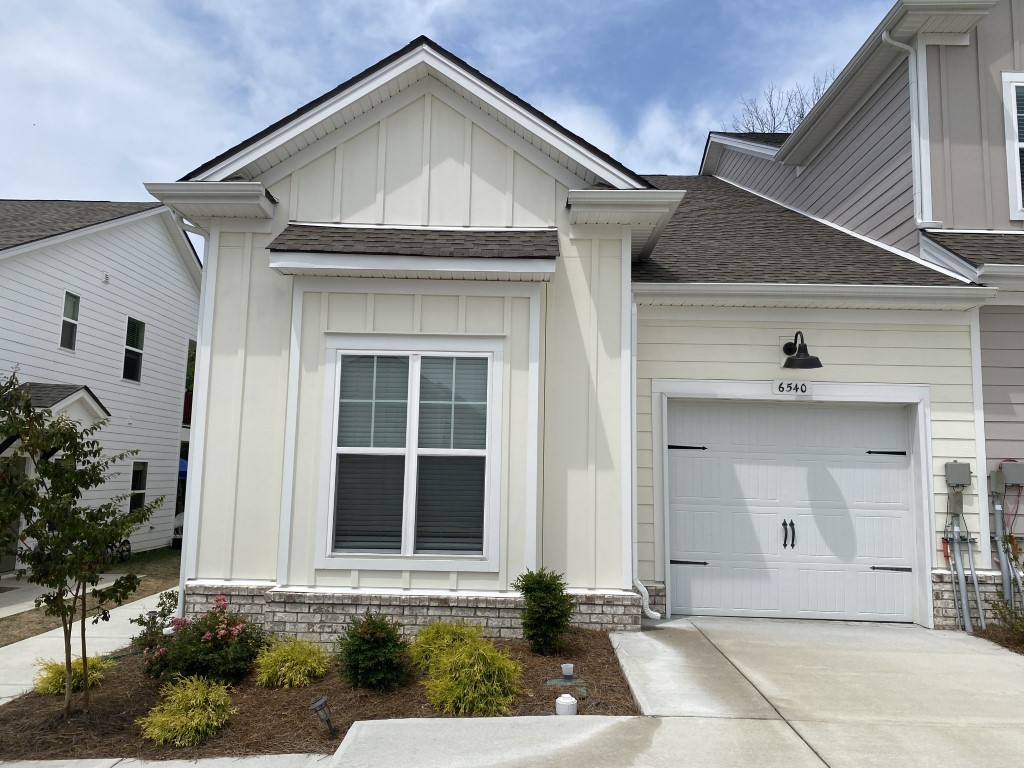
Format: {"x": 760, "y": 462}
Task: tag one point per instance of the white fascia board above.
{"x": 1010, "y": 276}
{"x": 299, "y": 262}
{"x": 945, "y": 259}
{"x": 431, "y": 59}
{"x": 250, "y": 198}
{"x": 714, "y": 152}
{"x": 66, "y": 236}
{"x": 797, "y": 295}
{"x": 419, "y": 227}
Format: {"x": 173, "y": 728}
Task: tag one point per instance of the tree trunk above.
{"x": 67, "y": 623}
{"x": 85, "y": 656}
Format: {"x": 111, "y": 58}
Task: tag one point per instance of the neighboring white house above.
{"x": 99, "y": 300}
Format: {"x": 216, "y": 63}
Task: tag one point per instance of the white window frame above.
{"x": 128, "y": 348}
{"x": 131, "y": 484}
{"x": 490, "y": 347}
{"x": 1011, "y": 82}
{"x": 69, "y": 320}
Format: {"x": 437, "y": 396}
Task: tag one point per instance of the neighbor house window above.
{"x": 133, "y": 341}
{"x": 69, "y": 325}
{"x": 413, "y": 462}
{"x": 1013, "y": 109}
{"x": 140, "y": 470}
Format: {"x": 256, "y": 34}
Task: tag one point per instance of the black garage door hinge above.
{"x": 896, "y": 568}
{"x": 688, "y": 562}
{"x": 687, "y": 447}
{"x": 888, "y": 453}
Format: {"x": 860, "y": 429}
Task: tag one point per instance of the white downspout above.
{"x": 645, "y": 598}
{"x": 922, "y": 197}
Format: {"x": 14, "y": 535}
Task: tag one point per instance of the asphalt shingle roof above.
{"x": 722, "y": 234}
{"x": 774, "y": 139}
{"x": 48, "y": 395}
{"x": 979, "y": 248}
{"x": 26, "y": 221}
{"x": 395, "y": 241}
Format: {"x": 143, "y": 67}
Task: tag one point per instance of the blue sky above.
{"x": 99, "y": 96}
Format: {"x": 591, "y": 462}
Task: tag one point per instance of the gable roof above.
{"x": 981, "y": 248}
{"x": 723, "y": 234}
{"x": 407, "y": 69}
{"x": 419, "y": 241}
{"x": 44, "y": 395}
{"x": 27, "y": 221}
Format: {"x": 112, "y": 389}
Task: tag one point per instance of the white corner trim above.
{"x": 915, "y": 395}
{"x": 942, "y": 258}
{"x": 533, "y": 431}
{"x": 197, "y": 446}
{"x": 850, "y": 232}
{"x": 290, "y": 428}
{"x": 627, "y": 424}
{"x": 980, "y": 439}
{"x": 64, "y": 237}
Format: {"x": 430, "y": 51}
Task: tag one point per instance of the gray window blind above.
{"x": 453, "y": 402}
{"x": 450, "y": 504}
{"x": 372, "y": 401}
{"x": 368, "y": 503}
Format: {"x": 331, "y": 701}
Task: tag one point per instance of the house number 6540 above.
{"x": 791, "y": 388}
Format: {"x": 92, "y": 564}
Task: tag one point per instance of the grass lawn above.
{"x": 272, "y": 721}
{"x": 159, "y": 569}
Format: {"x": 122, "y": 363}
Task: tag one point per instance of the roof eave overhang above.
{"x": 716, "y": 143}
{"x": 375, "y": 86}
{"x": 1004, "y": 276}
{"x": 203, "y": 200}
{"x": 645, "y": 211}
{"x": 958, "y": 298}
{"x": 904, "y": 21}
{"x": 412, "y": 267}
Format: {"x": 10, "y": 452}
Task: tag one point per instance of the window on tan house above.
{"x": 69, "y": 324}
{"x": 1013, "y": 110}
{"x": 133, "y": 341}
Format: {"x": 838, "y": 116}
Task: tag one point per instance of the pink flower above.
{"x": 220, "y": 601}
{"x": 221, "y": 632}
{"x": 207, "y": 636}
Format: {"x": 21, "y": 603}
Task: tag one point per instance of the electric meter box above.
{"x": 958, "y": 473}
{"x": 1013, "y": 472}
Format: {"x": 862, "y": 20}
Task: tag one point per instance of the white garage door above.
{"x": 790, "y": 510}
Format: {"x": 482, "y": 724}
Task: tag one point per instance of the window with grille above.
{"x": 140, "y": 471}
{"x": 69, "y": 325}
{"x": 133, "y": 341}
{"x": 412, "y": 457}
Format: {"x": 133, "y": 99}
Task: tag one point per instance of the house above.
{"x": 98, "y": 303}
{"x": 916, "y": 146}
{"x": 444, "y": 340}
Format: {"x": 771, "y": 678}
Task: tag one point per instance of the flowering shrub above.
{"x": 219, "y": 645}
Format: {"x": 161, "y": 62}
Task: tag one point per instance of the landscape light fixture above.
{"x": 798, "y": 356}
{"x": 319, "y": 706}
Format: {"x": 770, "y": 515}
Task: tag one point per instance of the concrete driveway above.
{"x": 847, "y": 694}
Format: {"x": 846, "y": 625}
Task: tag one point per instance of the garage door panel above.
{"x": 765, "y": 464}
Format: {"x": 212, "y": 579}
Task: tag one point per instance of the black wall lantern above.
{"x": 798, "y": 356}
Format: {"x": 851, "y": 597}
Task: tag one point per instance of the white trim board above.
{"x": 915, "y": 395}
{"x": 356, "y": 265}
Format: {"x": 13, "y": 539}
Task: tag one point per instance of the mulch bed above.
{"x": 1013, "y": 641}
{"x": 279, "y": 721}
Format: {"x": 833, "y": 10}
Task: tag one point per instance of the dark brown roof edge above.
{"x": 421, "y": 40}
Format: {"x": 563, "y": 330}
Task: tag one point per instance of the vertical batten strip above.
{"x": 986, "y": 171}
{"x": 382, "y": 147}
{"x": 510, "y": 186}
{"x": 593, "y": 414}
{"x": 339, "y": 181}
{"x": 243, "y": 314}
{"x": 427, "y": 102}
{"x": 467, "y": 167}
{"x": 291, "y": 425}
{"x": 627, "y": 415}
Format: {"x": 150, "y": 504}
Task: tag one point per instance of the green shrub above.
{"x": 1009, "y": 615}
{"x": 291, "y": 663}
{"x": 190, "y": 711}
{"x": 153, "y": 626}
{"x": 373, "y": 655}
{"x": 219, "y": 644}
{"x": 437, "y": 637}
{"x": 51, "y": 676}
{"x": 473, "y": 678}
{"x": 547, "y": 611}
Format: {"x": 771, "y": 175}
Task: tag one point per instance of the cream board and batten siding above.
{"x": 147, "y": 282}
{"x": 861, "y": 179}
{"x": 708, "y": 344}
{"x": 967, "y": 128}
{"x": 422, "y": 158}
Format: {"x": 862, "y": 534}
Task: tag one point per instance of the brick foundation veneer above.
{"x": 657, "y": 594}
{"x": 989, "y": 584}
{"x": 322, "y": 616}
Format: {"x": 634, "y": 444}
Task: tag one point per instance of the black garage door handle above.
{"x": 792, "y": 534}
{"x": 785, "y": 535}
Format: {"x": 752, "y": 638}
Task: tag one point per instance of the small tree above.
{"x": 62, "y": 544}
{"x": 780, "y": 110}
